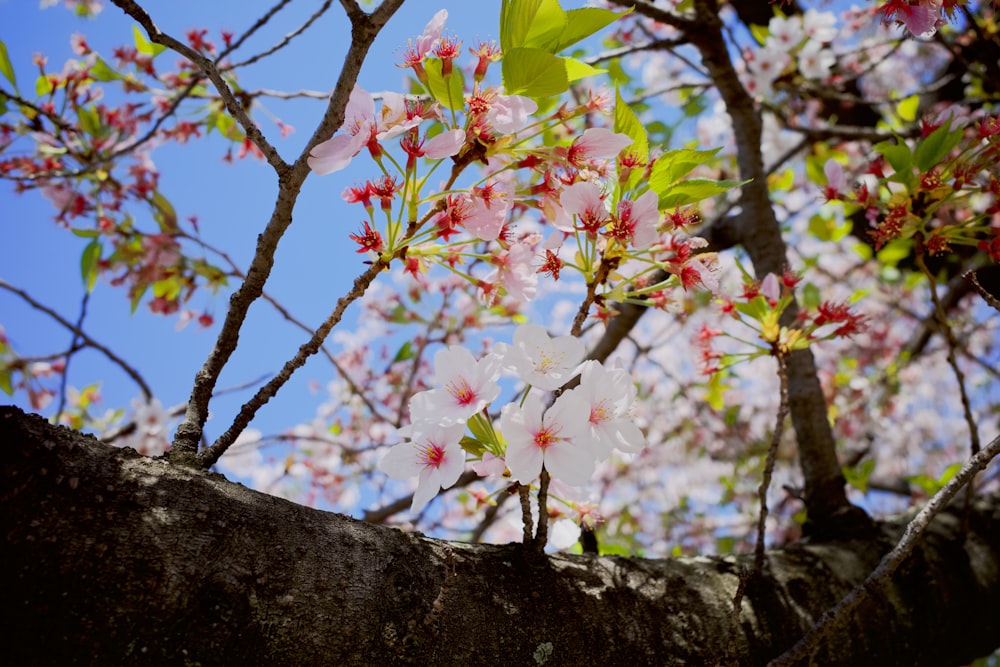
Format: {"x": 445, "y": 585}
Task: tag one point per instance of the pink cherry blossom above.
{"x": 815, "y": 61}
{"x": 444, "y": 145}
{"x": 819, "y": 26}
{"x": 488, "y": 210}
{"x": 490, "y": 465}
{"x": 595, "y": 144}
{"x": 432, "y": 454}
{"x": 767, "y": 64}
{"x": 770, "y": 289}
{"x": 432, "y": 32}
{"x": 586, "y": 201}
{"x": 398, "y": 114}
{"x": 359, "y": 128}
{"x": 516, "y": 272}
{"x": 509, "y": 114}
{"x": 636, "y": 220}
{"x": 541, "y": 361}
{"x": 605, "y": 397}
{"x": 784, "y": 32}
{"x": 534, "y": 439}
{"x": 465, "y": 386}
{"x": 836, "y": 180}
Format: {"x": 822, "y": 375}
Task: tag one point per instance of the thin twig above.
{"x": 73, "y": 344}
{"x": 892, "y": 560}
{"x": 258, "y": 24}
{"x": 233, "y": 105}
{"x": 284, "y": 42}
{"x": 83, "y": 337}
{"x": 239, "y": 273}
{"x": 523, "y": 493}
{"x": 942, "y": 319}
{"x": 364, "y": 30}
{"x": 209, "y": 456}
{"x": 542, "y": 534}
{"x": 765, "y": 483}
{"x": 983, "y": 292}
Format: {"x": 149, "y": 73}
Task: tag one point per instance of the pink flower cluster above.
{"x": 569, "y": 437}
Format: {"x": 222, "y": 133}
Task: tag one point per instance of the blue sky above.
{"x": 316, "y": 261}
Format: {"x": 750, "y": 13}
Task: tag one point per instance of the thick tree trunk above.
{"x": 114, "y": 559}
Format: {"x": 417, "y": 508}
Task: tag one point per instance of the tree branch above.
{"x": 131, "y": 560}
{"x": 211, "y": 70}
{"x": 880, "y": 576}
{"x": 364, "y": 29}
{"x": 760, "y": 234}
{"x": 77, "y": 332}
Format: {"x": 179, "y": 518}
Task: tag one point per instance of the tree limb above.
{"x": 112, "y": 558}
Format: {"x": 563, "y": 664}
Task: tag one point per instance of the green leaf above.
{"x": 534, "y": 73}
{"x": 43, "y": 86}
{"x": 584, "y": 22}
{"x": 226, "y": 125}
{"x": 695, "y": 190}
{"x": 675, "y": 165}
{"x": 163, "y": 212}
{"x": 448, "y": 91}
{"x": 5, "y": 383}
{"x": 893, "y": 251}
{"x": 405, "y": 352}
{"x": 471, "y": 445}
{"x": 760, "y": 33}
{"x": 90, "y": 120}
{"x": 89, "y": 262}
{"x": 482, "y": 429}
{"x": 810, "y": 296}
{"x": 814, "y": 168}
{"x": 5, "y": 67}
{"x": 827, "y": 229}
{"x": 907, "y": 109}
{"x": 936, "y": 146}
{"x": 546, "y": 26}
{"x": 577, "y": 69}
{"x": 898, "y": 155}
{"x": 626, "y": 122}
{"x": 781, "y": 181}
{"x": 859, "y": 475}
{"x": 716, "y": 391}
{"x": 143, "y": 45}
{"x": 516, "y": 17}
{"x": 101, "y": 71}
{"x": 137, "y": 295}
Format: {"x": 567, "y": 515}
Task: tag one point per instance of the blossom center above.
{"x": 599, "y": 414}
{"x": 546, "y": 437}
{"x": 431, "y": 455}
{"x": 462, "y": 391}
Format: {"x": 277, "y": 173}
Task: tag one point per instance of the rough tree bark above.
{"x": 112, "y": 558}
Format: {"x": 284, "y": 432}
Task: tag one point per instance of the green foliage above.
{"x": 448, "y": 90}
{"x": 936, "y": 146}
{"x": 532, "y": 32}
{"x": 89, "y": 263}
{"x": 404, "y": 352}
{"x": 5, "y": 67}
{"x": 931, "y": 485}
{"x": 143, "y": 45}
{"x": 534, "y": 73}
{"x": 694, "y": 190}
{"x": 899, "y": 156}
{"x": 858, "y": 476}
